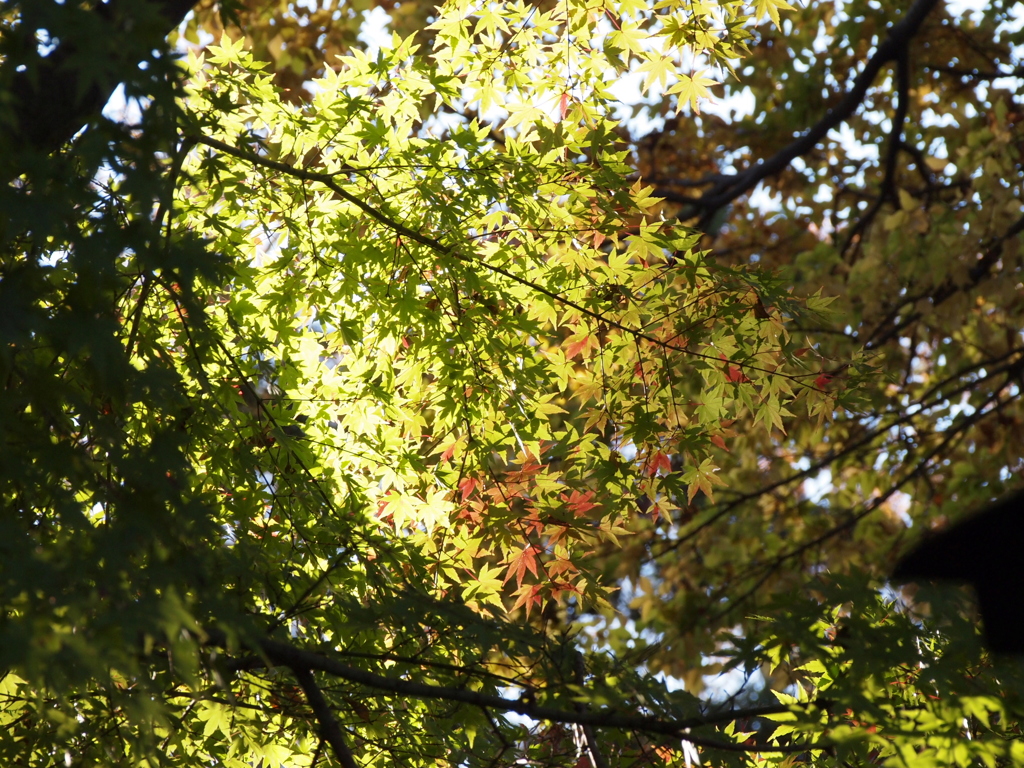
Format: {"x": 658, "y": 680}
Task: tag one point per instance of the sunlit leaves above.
{"x": 502, "y": 362}
{"x": 692, "y": 89}
{"x": 421, "y": 373}
{"x": 771, "y": 9}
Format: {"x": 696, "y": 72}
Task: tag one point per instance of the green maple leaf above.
{"x": 771, "y": 9}
{"x": 692, "y": 89}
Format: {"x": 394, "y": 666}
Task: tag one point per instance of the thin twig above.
{"x": 888, "y": 190}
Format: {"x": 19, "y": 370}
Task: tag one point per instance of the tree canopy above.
{"x": 543, "y": 384}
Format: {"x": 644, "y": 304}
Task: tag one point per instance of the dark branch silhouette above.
{"x": 302, "y": 661}
{"x": 729, "y": 187}
{"x": 330, "y": 731}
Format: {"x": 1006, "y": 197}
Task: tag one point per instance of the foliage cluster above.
{"x": 429, "y": 404}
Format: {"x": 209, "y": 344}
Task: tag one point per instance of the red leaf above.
{"x": 579, "y": 503}
{"x": 525, "y": 559}
{"x": 656, "y": 461}
{"x": 581, "y": 345}
{"x": 467, "y": 485}
{"x": 734, "y": 374}
{"x": 719, "y": 441}
{"x": 529, "y": 597}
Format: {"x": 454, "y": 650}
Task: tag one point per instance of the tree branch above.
{"x": 287, "y": 655}
{"x": 894, "y": 45}
{"x": 955, "y": 433}
{"x": 937, "y": 394}
{"x": 330, "y": 731}
{"x": 945, "y": 290}
{"x": 888, "y": 190}
{"x": 597, "y": 758}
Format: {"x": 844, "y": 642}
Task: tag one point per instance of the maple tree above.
{"x": 444, "y": 404}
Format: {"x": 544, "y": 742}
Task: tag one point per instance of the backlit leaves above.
{"x": 419, "y": 375}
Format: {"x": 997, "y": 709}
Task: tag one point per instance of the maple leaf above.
{"x": 732, "y": 372}
{"x": 559, "y": 566}
{"x": 467, "y": 485}
{"x": 529, "y": 596}
{"x": 532, "y": 523}
{"x": 556, "y": 533}
{"x": 472, "y": 512}
{"x": 484, "y": 586}
{"x": 524, "y": 560}
{"x": 658, "y": 460}
{"x": 579, "y": 346}
{"x": 580, "y": 503}
{"x": 452, "y": 447}
{"x": 692, "y": 89}
{"x": 771, "y": 9}
{"x": 658, "y": 67}
{"x": 702, "y": 478}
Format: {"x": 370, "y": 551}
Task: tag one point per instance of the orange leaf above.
{"x": 523, "y": 561}
{"x": 577, "y": 347}
{"x": 467, "y": 485}
{"x": 532, "y": 523}
{"x": 529, "y": 597}
{"x": 561, "y": 565}
{"x": 472, "y": 512}
{"x": 656, "y": 461}
{"x": 555, "y": 533}
{"x": 579, "y": 503}
{"x": 665, "y": 753}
